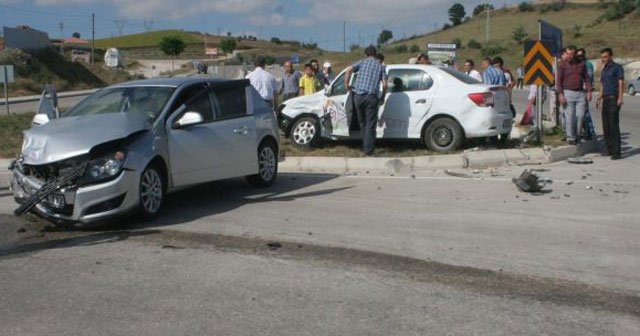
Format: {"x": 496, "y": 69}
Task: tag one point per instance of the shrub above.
{"x": 492, "y": 49}
{"x": 519, "y": 34}
{"x": 402, "y": 48}
{"x": 414, "y": 48}
{"x": 473, "y": 44}
{"x": 525, "y": 7}
{"x": 457, "y": 42}
{"x": 446, "y": 26}
{"x": 577, "y": 31}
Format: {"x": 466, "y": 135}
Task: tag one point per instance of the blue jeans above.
{"x": 573, "y": 112}
{"x": 367, "y": 113}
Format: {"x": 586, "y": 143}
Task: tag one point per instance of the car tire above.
{"x": 305, "y": 132}
{"x": 443, "y": 135}
{"x": 267, "y": 165}
{"x": 151, "y": 192}
{"x": 632, "y": 90}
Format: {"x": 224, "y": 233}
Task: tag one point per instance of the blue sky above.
{"x": 318, "y": 21}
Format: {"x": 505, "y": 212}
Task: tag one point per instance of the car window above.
{"x": 338, "y": 87}
{"x": 230, "y": 102}
{"x": 461, "y": 76}
{"x": 401, "y": 80}
{"x": 201, "y": 103}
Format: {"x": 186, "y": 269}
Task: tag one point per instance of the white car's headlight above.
{"x": 104, "y": 168}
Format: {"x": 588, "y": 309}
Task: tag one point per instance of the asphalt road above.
{"x": 329, "y": 254}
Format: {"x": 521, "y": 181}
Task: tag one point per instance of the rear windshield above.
{"x": 461, "y": 76}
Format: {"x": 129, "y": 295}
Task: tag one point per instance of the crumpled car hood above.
{"x": 305, "y": 104}
{"x": 68, "y": 137}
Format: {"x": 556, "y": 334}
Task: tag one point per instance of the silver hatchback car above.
{"x": 126, "y": 146}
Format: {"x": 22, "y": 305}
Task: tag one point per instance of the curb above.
{"x": 407, "y": 165}
{"x": 411, "y": 165}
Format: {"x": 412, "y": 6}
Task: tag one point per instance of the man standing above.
{"x": 491, "y": 74}
{"x": 611, "y": 90}
{"x": 572, "y": 81}
{"x": 367, "y": 88}
{"x": 318, "y": 73}
{"x": 589, "y": 129}
{"x": 470, "y": 71}
{"x": 327, "y": 73}
{"x": 290, "y": 86}
{"x": 520, "y": 77}
{"x": 423, "y": 59}
{"x": 263, "y": 82}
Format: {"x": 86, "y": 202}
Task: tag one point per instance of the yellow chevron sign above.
{"x": 538, "y": 63}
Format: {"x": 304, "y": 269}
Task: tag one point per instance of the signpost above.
{"x": 443, "y": 53}
{"x": 552, "y": 35}
{"x": 538, "y": 70}
{"x": 6, "y": 73}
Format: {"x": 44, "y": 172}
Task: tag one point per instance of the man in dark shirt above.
{"x": 611, "y": 90}
{"x": 573, "y": 79}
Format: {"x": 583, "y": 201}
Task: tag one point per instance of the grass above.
{"x": 11, "y": 128}
{"x": 148, "y": 39}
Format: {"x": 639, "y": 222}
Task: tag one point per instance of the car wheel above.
{"x": 305, "y": 132}
{"x": 267, "y": 165}
{"x": 443, "y": 135}
{"x": 632, "y": 90}
{"x": 151, "y": 192}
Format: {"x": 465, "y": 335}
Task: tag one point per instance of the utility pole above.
{"x": 487, "y": 9}
{"x": 61, "y": 26}
{"x": 344, "y": 40}
{"x": 93, "y": 35}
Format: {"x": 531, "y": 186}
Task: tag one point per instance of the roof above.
{"x": 75, "y": 40}
{"x": 178, "y": 81}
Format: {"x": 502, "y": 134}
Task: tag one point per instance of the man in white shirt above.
{"x": 470, "y": 71}
{"x": 264, "y": 82}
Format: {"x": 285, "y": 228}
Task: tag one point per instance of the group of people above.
{"x": 293, "y": 83}
{"x": 574, "y": 86}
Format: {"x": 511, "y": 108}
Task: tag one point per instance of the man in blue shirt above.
{"x": 367, "y": 100}
{"x": 492, "y": 75}
{"x": 611, "y": 91}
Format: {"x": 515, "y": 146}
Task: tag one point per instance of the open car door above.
{"x": 47, "y": 106}
{"x": 338, "y": 108}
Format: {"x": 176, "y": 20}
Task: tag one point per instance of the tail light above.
{"x": 482, "y": 99}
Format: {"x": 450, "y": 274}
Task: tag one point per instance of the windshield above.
{"x": 146, "y": 100}
{"x": 461, "y": 76}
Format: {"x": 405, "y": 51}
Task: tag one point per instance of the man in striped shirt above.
{"x": 491, "y": 74}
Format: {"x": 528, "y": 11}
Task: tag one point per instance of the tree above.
{"x": 228, "y": 45}
{"x": 473, "y": 44}
{"x": 354, "y": 47}
{"x": 456, "y": 14}
{"x": 519, "y": 34}
{"x": 172, "y": 46}
{"x": 276, "y": 40}
{"x": 479, "y": 9}
{"x": 384, "y": 37}
{"x": 526, "y": 7}
{"x": 76, "y": 35}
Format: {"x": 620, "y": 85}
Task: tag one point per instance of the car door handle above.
{"x": 421, "y": 101}
{"x": 241, "y": 130}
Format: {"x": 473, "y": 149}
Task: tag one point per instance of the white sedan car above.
{"x": 440, "y": 106}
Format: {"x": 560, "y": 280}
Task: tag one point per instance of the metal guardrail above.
{"x": 35, "y": 98}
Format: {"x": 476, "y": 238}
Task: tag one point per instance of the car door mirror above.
{"x": 327, "y": 90}
{"x": 39, "y": 119}
{"x": 188, "y": 119}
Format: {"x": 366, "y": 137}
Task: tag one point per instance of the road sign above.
{"x": 295, "y": 59}
{"x": 538, "y": 63}
{"x": 8, "y": 70}
{"x": 552, "y": 35}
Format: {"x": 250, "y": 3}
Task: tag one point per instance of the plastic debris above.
{"x": 579, "y": 160}
{"x": 529, "y": 182}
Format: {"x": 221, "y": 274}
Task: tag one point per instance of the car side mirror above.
{"x": 188, "y": 119}
{"x": 327, "y": 90}
{"x": 39, "y": 119}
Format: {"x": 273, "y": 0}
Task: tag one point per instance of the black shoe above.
{"x": 571, "y": 142}
{"x": 616, "y": 157}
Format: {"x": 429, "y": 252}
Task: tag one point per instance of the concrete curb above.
{"x": 405, "y": 165}
{"x": 412, "y": 165}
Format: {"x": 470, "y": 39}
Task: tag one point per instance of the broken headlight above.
{"x": 104, "y": 168}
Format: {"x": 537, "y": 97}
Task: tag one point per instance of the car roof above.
{"x": 173, "y": 82}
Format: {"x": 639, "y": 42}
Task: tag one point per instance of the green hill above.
{"x": 579, "y": 22}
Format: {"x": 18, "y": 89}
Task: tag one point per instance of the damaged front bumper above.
{"x": 75, "y": 203}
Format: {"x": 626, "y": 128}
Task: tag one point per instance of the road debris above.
{"x": 579, "y": 160}
{"x": 273, "y": 246}
{"x": 529, "y": 182}
{"x": 588, "y": 187}
{"x": 456, "y": 174}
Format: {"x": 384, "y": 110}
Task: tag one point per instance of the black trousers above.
{"x": 611, "y": 124}
{"x": 367, "y": 113}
